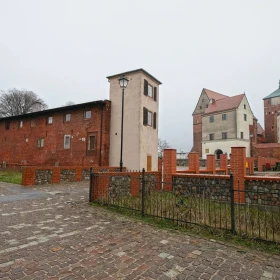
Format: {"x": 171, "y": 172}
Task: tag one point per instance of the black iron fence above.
{"x": 208, "y": 201}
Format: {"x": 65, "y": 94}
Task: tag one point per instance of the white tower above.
{"x": 140, "y": 125}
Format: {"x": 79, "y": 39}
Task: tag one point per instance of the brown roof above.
{"x": 225, "y": 104}
{"x": 260, "y": 130}
{"x": 214, "y": 95}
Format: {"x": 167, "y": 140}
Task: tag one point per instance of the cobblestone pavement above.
{"x": 52, "y": 233}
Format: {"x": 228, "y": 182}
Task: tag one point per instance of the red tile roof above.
{"x": 260, "y": 130}
{"x": 225, "y": 104}
{"x": 214, "y": 95}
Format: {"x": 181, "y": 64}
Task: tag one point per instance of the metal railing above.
{"x": 210, "y": 202}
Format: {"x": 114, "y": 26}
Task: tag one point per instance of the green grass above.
{"x": 253, "y": 224}
{"x": 11, "y": 177}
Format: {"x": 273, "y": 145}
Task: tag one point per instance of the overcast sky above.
{"x": 63, "y": 51}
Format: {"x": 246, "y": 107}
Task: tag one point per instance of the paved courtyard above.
{"x": 52, "y": 233}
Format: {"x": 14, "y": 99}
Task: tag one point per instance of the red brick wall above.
{"x": 211, "y": 163}
{"x": 224, "y": 163}
{"x": 197, "y": 134}
{"x": 169, "y": 166}
{"x": 268, "y": 150}
{"x": 100, "y": 183}
{"x": 194, "y": 162}
{"x": 18, "y": 146}
{"x": 270, "y": 121}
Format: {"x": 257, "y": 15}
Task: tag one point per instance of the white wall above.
{"x": 138, "y": 140}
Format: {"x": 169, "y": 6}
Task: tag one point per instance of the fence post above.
{"x": 143, "y": 192}
{"x": 232, "y": 204}
{"x": 90, "y": 184}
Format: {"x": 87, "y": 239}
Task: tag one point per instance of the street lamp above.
{"x": 123, "y": 84}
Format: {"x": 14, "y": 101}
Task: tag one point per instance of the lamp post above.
{"x": 123, "y": 84}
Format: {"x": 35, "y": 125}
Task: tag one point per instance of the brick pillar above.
{"x": 79, "y": 171}
{"x": 250, "y": 165}
{"x": 28, "y": 176}
{"x": 169, "y": 167}
{"x": 224, "y": 162}
{"x": 238, "y": 169}
{"x": 194, "y": 162}
{"x": 211, "y": 163}
{"x": 100, "y": 185}
{"x": 56, "y": 175}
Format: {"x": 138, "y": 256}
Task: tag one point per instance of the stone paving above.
{"x": 52, "y": 233}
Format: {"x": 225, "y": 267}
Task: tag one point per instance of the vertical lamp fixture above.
{"x": 123, "y": 84}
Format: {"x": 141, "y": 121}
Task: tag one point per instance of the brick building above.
{"x": 70, "y": 135}
{"x": 271, "y": 111}
{"x": 89, "y": 133}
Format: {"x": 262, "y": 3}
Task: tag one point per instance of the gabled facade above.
{"x": 225, "y": 124}
{"x": 206, "y": 97}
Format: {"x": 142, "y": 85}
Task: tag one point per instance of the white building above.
{"x": 140, "y": 127}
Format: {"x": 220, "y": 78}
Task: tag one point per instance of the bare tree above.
{"x": 162, "y": 144}
{"x": 15, "y": 102}
{"x": 69, "y": 103}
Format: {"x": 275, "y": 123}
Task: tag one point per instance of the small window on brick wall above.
{"x": 87, "y": 114}
{"x": 40, "y": 142}
{"x": 67, "y": 117}
{"x": 20, "y": 124}
{"x": 50, "y": 120}
{"x": 67, "y": 139}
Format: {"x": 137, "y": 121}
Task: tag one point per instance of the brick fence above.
{"x": 55, "y": 175}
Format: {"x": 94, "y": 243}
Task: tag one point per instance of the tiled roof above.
{"x": 267, "y": 145}
{"x": 225, "y": 104}
{"x": 214, "y": 95}
{"x": 276, "y": 93}
{"x": 260, "y": 130}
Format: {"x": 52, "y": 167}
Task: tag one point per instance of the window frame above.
{"x": 211, "y": 137}
{"x": 50, "y": 120}
{"x": 224, "y": 135}
{"x": 224, "y": 117}
{"x": 150, "y": 90}
{"x": 245, "y": 117}
{"x": 241, "y": 135}
{"x": 86, "y": 114}
{"x": 149, "y": 113}
{"x": 66, "y": 115}
{"x": 68, "y": 146}
{"x": 21, "y": 124}
{"x": 211, "y": 119}
{"x": 40, "y": 142}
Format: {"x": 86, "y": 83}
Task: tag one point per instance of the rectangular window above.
{"x": 206, "y": 151}
{"x": 50, "y": 120}
{"x": 245, "y": 117}
{"x": 20, "y": 124}
{"x": 211, "y": 136}
{"x": 67, "y": 139}
{"x": 40, "y": 142}
{"x": 67, "y": 117}
{"x": 150, "y": 91}
{"x": 7, "y": 125}
{"x": 244, "y": 106}
{"x": 241, "y": 135}
{"x": 211, "y": 119}
{"x": 224, "y": 135}
{"x": 224, "y": 117}
{"x": 87, "y": 114}
{"x": 150, "y": 117}
{"x": 91, "y": 142}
